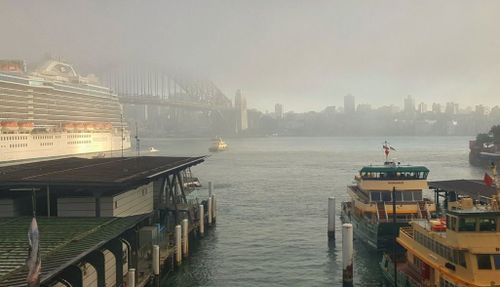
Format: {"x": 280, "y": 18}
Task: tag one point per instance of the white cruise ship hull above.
{"x": 17, "y": 147}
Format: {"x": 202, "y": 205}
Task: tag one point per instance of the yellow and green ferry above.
{"x": 462, "y": 249}
{"x": 370, "y": 209}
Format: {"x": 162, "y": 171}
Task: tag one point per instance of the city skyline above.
{"x": 307, "y": 55}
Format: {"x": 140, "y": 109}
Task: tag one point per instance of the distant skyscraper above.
{"x": 451, "y": 108}
{"x": 278, "y": 111}
{"x": 436, "y": 108}
{"x": 480, "y": 110}
{"x": 349, "y": 104}
{"x": 240, "y": 104}
{"x": 409, "y": 105}
{"x": 422, "y": 108}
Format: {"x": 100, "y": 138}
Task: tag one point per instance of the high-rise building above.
{"x": 436, "y": 108}
{"x": 451, "y": 108}
{"x": 409, "y": 105}
{"x": 349, "y": 104}
{"x": 480, "y": 110}
{"x": 422, "y": 108}
{"x": 240, "y": 104}
{"x": 278, "y": 111}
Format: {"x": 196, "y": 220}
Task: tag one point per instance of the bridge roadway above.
{"x": 158, "y": 101}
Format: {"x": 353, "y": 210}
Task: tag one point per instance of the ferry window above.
{"x": 375, "y": 195}
{"x": 483, "y": 261}
{"x": 496, "y": 260}
{"x": 487, "y": 224}
{"x": 407, "y": 196}
{"x": 399, "y": 197}
{"x": 461, "y": 258}
{"x": 386, "y": 196}
{"x": 452, "y": 222}
{"x": 417, "y": 195}
{"x": 467, "y": 224}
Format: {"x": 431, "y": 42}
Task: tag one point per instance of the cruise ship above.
{"x": 54, "y": 112}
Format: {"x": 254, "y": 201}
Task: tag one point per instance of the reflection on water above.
{"x": 272, "y": 199}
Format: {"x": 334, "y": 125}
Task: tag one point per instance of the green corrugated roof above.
{"x": 395, "y": 168}
{"x": 62, "y": 241}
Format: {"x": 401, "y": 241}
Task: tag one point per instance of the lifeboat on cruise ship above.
{"x": 69, "y": 127}
{"x": 79, "y": 127}
{"x": 98, "y": 126}
{"x": 89, "y": 127}
{"x": 26, "y": 126}
{"x": 9, "y": 126}
{"x": 108, "y": 126}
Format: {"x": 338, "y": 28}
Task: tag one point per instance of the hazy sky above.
{"x": 305, "y": 54}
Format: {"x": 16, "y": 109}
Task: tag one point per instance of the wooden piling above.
{"x": 331, "y": 218}
{"x": 185, "y": 237}
{"x": 347, "y": 254}
{"x": 210, "y": 211}
{"x": 131, "y": 277}
{"x": 201, "y": 217}
{"x": 178, "y": 245}
{"x": 156, "y": 260}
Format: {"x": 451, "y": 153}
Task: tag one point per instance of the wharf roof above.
{"x": 469, "y": 187}
{"x": 113, "y": 173}
{"x": 64, "y": 241}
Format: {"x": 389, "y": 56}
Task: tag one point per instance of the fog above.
{"x": 304, "y": 54}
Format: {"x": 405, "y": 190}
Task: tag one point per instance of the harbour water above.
{"x": 272, "y": 205}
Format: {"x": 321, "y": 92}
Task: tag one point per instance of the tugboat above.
{"x": 461, "y": 249}
{"x": 218, "y": 145}
{"x": 370, "y": 209}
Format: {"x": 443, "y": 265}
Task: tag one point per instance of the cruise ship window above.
{"x": 487, "y": 224}
{"x": 375, "y": 195}
{"x": 483, "y": 261}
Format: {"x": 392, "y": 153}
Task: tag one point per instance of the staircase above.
{"x": 422, "y": 207}
{"x": 381, "y": 213}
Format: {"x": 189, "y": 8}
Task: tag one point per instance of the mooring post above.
{"x": 214, "y": 209}
{"x": 185, "y": 237}
{"x": 156, "y": 260}
{"x": 331, "y": 218}
{"x": 201, "y": 215}
{"x": 210, "y": 189}
{"x": 209, "y": 211}
{"x": 347, "y": 253}
{"x": 178, "y": 244}
{"x": 131, "y": 277}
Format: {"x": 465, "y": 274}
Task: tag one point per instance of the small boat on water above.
{"x": 152, "y": 149}
{"x": 370, "y": 209}
{"x": 217, "y": 145}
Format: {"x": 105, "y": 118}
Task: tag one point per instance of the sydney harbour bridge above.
{"x": 164, "y": 104}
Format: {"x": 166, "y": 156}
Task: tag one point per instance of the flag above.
{"x": 488, "y": 180}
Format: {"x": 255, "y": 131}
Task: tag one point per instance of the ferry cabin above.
{"x": 465, "y": 252}
{"x": 372, "y": 194}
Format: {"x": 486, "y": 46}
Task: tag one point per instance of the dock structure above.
{"x": 98, "y": 218}
{"x": 449, "y": 190}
